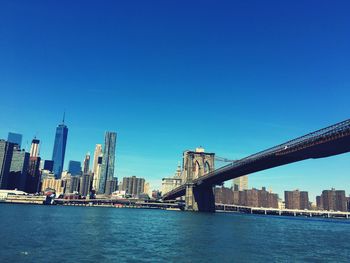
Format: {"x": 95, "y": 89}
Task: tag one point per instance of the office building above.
{"x": 133, "y": 186}
{"x": 18, "y": 170}
{"x": 86, "y": 164}
{"x": 15, "y": 138}
{"x": 34, "y": 148}
{"x": 48, "y": 165}
{"x": 74, "y": 168}
{"x": 85, "y": 184}
{"x": 59, "y": 149}
{"x": 96, "y": 174}
{"x": 108, "y": 161}
{"x": 6, "y": 150}
{"x": 240, "y": 183}
{"x": 33, "y": 179}
{"x": 71, "y": 184}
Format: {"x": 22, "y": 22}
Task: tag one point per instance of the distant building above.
{"x": 74, "y": 168}
{"x": 15, "y": 138}
{"x": 156, "y": 194}
{"x": 48, "y": 165}
{"x": 71, "y": 184}
{"x": 170, "y": 183}
{"x": 34, "y": 148}
{"x": 133, "y": 186}
{"x": 108, "y": 161}
{"x": 86, "y": 164}
{"x": 6, "y": 150}
{"x": 96, "y": 174}
{"x": 224, "y": 195}
{"x": 296, "y": 199}
{"x": 240, "y": 183}
{"x": 18, "y": 170}
{"x": 332, "y": 200}
{"x": 59, "y": 149}
{"x": 53, "y": 183}
{"x": 33, "y": 179}
{"x": 111, "y": 186}
{"x": 85, "y": 184}
{"x": 251, "y": 197}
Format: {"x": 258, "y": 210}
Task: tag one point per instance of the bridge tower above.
{"x": 197, "y": 164}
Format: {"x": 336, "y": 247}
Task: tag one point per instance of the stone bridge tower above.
{"x": 196, "y": 164}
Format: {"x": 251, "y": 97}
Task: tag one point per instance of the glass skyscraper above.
{"x": 59, "y": 149}
{"x": 15, "y": 138}
{"x": 74, "y": 167}
{"x": 107, "y": 167}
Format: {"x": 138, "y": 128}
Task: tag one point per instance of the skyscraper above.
{"x": 97, "y": 154}
{"x": 15, "y": 138}
{"x": 34, "y": 148}
{"x": 107, "y": 168}
{"x": 74, "y": 168}
{"x": 240, "y": 183}
{"x": 86, "y": 163}
{"x": 96, "y": 175}
{"x": 18, "y": 169}
{"x": 6, "y": 150}
{"x": 96, "y": 169}
{"x": 59, "y": 149}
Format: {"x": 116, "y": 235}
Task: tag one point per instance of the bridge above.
{"x": 198, "y": 188}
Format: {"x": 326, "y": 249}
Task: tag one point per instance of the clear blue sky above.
{"x": 233, "y": 76}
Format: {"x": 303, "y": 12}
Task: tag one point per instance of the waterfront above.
{"x": 90, "y": 234}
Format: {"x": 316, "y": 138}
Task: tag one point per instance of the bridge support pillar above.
{"x": 199, "y": 198}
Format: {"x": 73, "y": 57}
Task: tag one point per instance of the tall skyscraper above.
{"x": 240, "y": 183}
{"x": 97, "y": 154}
{"x": 96, "y": 169}
{"x": 74, "y": 168}
{"x": 107, "y": 168}
{"x": 33, "y": 176}
{"x": 97, "y": 173}
{"x": 15, "y": 138}
{"x": 34, "y": 148}
{"x": 6, "y": 150}
{"x": 86, "y": 163}
{"x": 18, "y": 170}
{"x": 59, "y": 149}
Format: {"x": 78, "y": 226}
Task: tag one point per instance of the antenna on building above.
{"x": 64, "y": 116}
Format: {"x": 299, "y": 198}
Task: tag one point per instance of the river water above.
{"x": 32, "y": 233}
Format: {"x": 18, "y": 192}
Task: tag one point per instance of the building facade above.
{"x": 108, "y": 161}
{"x": 15, "y": 138}
{"x": 332, "y": 200}
{"x": 59, "y": 149}
{"x": 296, "y": 200}
{"x": 18, "y": 170}
{"x": 74, "y": 168}
{"x": 86, "y": 164}
{"x": 133, "y": 186}
{"x": 240, "y": 183}
{"x": 6, "y": 151}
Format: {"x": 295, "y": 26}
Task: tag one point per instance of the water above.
{"x": 92, "y": 234}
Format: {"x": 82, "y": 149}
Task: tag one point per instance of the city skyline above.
{"x": 237, "y": 83}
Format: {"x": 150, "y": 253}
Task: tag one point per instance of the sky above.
{"x": 235, "y": 77}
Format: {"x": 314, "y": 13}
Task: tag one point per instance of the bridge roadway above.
{"x": 326, "y": 142}
{"x": 280, "y": 212}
